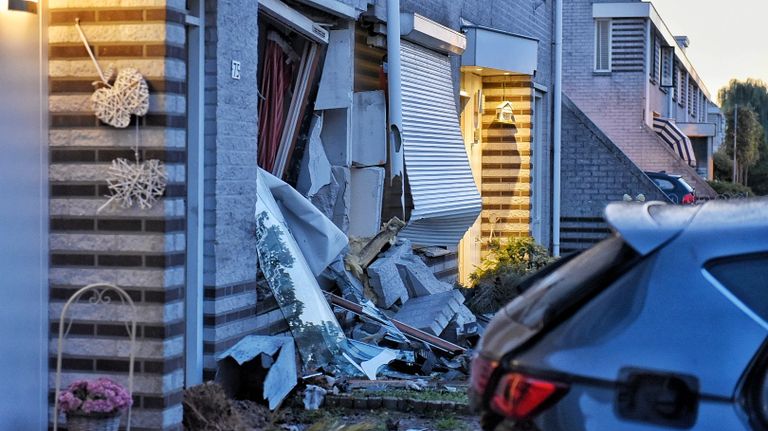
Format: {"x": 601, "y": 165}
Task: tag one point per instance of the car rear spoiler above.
{"x": 646, "y": 227}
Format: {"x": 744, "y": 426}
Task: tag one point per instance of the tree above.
{"x": 751, "y": 93}
{"x": 749, "y": 137}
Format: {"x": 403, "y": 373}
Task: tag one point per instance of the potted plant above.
{"x": 94, "y": 405}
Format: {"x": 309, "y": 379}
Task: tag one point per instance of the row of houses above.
{"x": 472, "y": 121}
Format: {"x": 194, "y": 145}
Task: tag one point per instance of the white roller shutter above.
{"x": 446, "y": 200}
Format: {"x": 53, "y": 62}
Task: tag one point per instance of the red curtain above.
{"x": 275, "y": 81}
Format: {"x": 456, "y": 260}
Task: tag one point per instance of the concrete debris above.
{"x": 314, "y": 397}
{"x": 367, "y": 194}
{"x": 369, "y": 132}
{"x": 258, "y": 368}
{"x": 462, "y": 328}
{"x": 432, "y": 313}
{"x": 418, "y": 278}
{"x": 386, "y": 283}
{"x": 333, "y": 199}
{"x": 340, "y": 215}
{"x": 416, "y": 385}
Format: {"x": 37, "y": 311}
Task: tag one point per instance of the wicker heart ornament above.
{"x": 128, "y": 95}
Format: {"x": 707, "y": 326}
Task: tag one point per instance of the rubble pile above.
{"x": 356, "y": 309}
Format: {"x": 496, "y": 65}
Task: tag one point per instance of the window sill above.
{"x": 601, "y": 73}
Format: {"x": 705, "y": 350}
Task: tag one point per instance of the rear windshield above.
{"x": 577, "y": 280}
{"x": 685, "y": 185}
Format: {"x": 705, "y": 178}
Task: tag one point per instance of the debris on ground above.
{"x": 207, "y": 408}
{"x": 314, "y": 397}
{"x": 259, "y": 368}
{"x": 364, "y": 314}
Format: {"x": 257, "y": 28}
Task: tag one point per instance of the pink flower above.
{"x": 100, "y": 396}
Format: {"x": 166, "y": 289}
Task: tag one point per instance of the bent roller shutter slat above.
{"x": 445, "y": 198}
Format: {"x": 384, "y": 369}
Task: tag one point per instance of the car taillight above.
{"x": 688, "y": 199}
{"x": 481, "y": 372}
{"x": 520, "y": 397}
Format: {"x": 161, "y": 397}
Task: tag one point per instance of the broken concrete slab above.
{"x": 369, "y": 128}
{"x": 267, "y": 364}
{"x": 463, "y": 326}
{"x": 367, "y": 195}
{"x": 418, "y": 278}
{"x": 432, "y": 313}
{"x": 340, "y": 214}
{"x": 335, "y": 88}
{"x": 333, "y": 200}
{"x": 386, "y": 283}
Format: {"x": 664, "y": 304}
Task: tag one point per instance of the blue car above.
{"x": 661, "y": 326}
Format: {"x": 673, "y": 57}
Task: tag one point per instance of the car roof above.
{"x": 663, "y": 174}
{"x": 646, "y": 227}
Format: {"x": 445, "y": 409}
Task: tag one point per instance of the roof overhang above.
{"x": 646, "y": 10}
{"x": 432, "y": 35}
{"x": 485, "y": 47}
{"x": 698, "y": 130}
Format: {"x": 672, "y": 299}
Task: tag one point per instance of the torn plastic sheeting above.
{"x": 318, "y": 335}
{"x": 319, "y": 240}
{"x": 281, "y": 373}
{"x": 367, "y": 358}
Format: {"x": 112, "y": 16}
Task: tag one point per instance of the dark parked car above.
{"x": 661, "y": 326}
{"x": 674, "y": 186}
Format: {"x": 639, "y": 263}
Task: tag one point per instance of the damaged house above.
{"x": 367, "y": 148}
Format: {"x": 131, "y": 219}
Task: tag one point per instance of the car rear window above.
{"x": 746, "y": 277}
{"x": 685, "y": 185}
{"x": 577, "y": 280}
{"x": 556, "y": 291}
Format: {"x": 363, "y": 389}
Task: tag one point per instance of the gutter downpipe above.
{"x": 395, "y": 97}
{"x": 557, "y": 132}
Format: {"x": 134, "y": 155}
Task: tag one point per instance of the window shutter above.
{"x": 603, "y": 45}
{"x": 667, "y": 67}
{"x": 656, "y": 58}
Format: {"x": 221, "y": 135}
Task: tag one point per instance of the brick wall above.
{"x": 142, "y": 251}
{"x": 595, "y": 172}
{"x": 231, "y": 129}
{"x": 615, "y": 101}
{"x": 506, "y": 159}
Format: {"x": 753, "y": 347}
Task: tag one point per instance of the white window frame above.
{"x": 597, "y": 45}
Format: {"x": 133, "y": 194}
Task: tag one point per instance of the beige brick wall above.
{"x": 506, "y": 168}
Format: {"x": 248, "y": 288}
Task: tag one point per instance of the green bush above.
{"x": 495, "y": 283}
{"x": 731, "y": 189}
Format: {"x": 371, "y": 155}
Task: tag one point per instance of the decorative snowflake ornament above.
{"x": 132, "y": 183}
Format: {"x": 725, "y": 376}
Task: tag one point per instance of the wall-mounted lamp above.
{"x": 20, "y": 5}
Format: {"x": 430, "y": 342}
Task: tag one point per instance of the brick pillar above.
{"x": 142, "y": 251}
{"x": 231, "y": 129}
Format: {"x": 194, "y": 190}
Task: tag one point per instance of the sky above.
{"x": 729, "y": 39}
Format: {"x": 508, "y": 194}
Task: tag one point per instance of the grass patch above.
{"x": 450, "y": 423}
